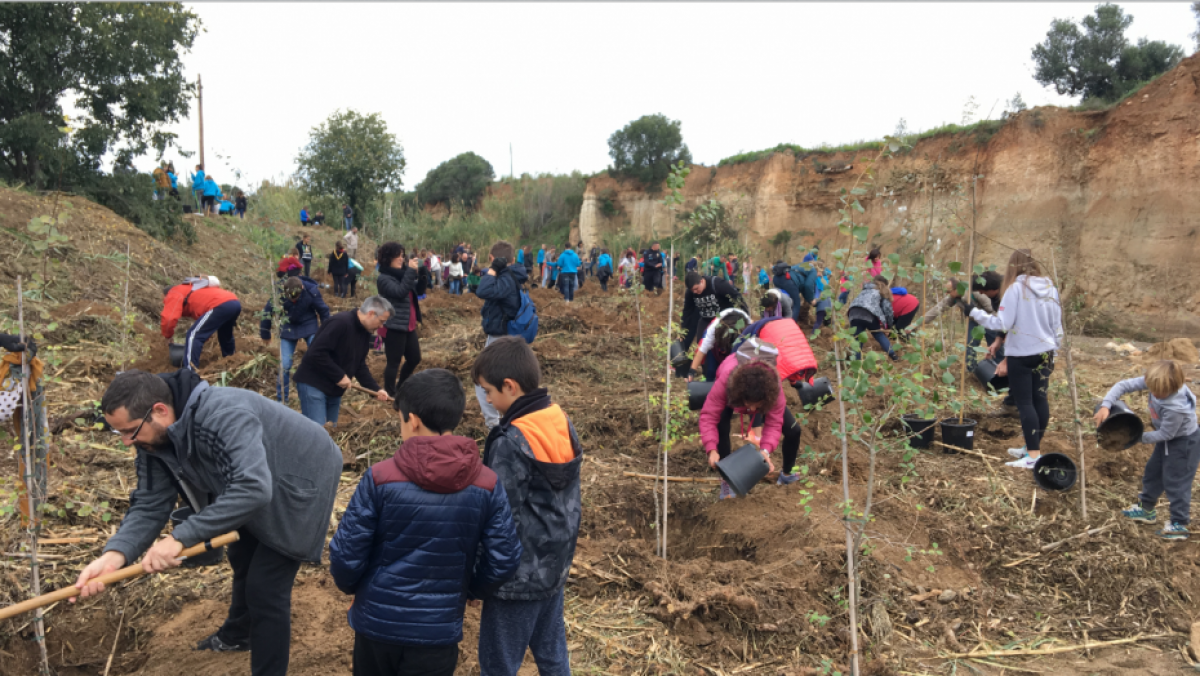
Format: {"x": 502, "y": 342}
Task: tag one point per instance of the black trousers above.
{"x": 376, "y": 658}
{"x": 400, "y": 346}
{"x": 341, "y": 285}
{"x": 790, "y": 445}
{"x": 307, "y": 262}
{"x": 1029, "y": 384}
{"x": 261, "y": 609}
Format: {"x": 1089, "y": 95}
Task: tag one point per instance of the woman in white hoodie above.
{"x": 1030, "y": 315}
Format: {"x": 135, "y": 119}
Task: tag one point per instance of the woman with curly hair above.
{"x": 752, "y": 389}
{"x": 397, "y": 282}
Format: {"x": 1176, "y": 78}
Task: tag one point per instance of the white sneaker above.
{"x": 1018, "y": 453}
{"x": 1024, "y": 463}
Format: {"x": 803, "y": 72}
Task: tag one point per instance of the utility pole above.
{"x": 200, "y": 93}
{"x": 510, "y": 162}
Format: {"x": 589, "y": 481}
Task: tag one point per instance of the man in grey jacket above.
{"x": 244, "y": 463}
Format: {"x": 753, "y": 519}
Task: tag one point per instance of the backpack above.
{"x": 754, "y": 349}
{"x": 525, "y": 323}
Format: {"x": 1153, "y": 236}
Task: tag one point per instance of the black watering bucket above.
{"x": 209, "y": 558}
{"x": 1054, "y": 472}
{"x": 679, "y": 360}
{"x": 743, "y": 468}
{"x": 985, "y": 370}
{"x": 1122, "y": 429}
{"x": 958, "y": 435}
{"x": 818, "y": 391}
{"x": 920, "y": 431}
{"x": 697, "y": 393}
{"x": 176, "y": 354}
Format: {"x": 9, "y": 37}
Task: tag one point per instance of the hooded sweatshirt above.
{"x": 710, "y": 335}
{"x": 1030, "y": 314}
{"x": 1173, "y": 417}
{"x": 426, "y": 529}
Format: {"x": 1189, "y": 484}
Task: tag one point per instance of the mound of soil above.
{"x": 1178, "y": 349}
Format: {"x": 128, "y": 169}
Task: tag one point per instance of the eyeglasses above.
{"x": 133, "y": 437}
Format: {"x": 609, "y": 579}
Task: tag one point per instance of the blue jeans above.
{"x": 348, "y": 222}
{"x": 456, "y": 287}
{"x": 317, "y": 406}
{"x": 506, "y": 628}
{"x": 220, "y": 320}
{"x": 567, "y": 281}
{"x": 287, "y": 349}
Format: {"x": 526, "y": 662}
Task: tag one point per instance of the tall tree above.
{"x": 646, "y": 148}
{"x": 1094, "y": 59}
{"x": 461, "y": 180}
{"x": 118, "y": 62}
{"x": 1196, "y": 11}
{"x": 351, "y": 156}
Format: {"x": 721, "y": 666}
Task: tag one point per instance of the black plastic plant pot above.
{"x": 1121, "y": 430}
{"x": 820, "y": 390}
{"x": 985, "y": 370}
{"x": 209, "y": 558}
{"x": 920, "y": 431}
{"x": 175, "y": 353}
{"x": 1054, "y": 472}
{"x": 697, "y": 393}
{"x": 958, "y": 435}
{"x": 743, "y": 468}
{"x": 679, "y": 360}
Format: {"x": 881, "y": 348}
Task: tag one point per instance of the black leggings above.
{"x": 340, "y": 285}
{"x": 1029, "y": 383}
{"x": 400, "y": 345}
{"x": 790, "y": 445}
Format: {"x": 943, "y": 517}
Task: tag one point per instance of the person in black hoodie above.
{"x": 706, "y": 297}
{"x": 500, "y": 290}
{"x": 652, "y": 269}
{"x": 397, "y": 282}
{"x": 339, "y": 269}
{"x": 338, "y": 353}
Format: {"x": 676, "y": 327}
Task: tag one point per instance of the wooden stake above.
{"x": 667, "y": 401}
{"x": 27, "y": 418}
{"x": 962, "y": 381}
{"x": 1083, "y": 511}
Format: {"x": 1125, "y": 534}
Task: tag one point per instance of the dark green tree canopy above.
{"x": 119, "y": 62}
{"x": 460, "y": 180}
{"x": 646, "y": 148}
{"x": 1094, "y": 59}
{"x": 352, "y": 157}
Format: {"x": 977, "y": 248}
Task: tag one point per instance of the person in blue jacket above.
{"x": 304, "y": 310}
{"x": 226, "y": 207}
{"x": 211, "y": 192}
{"x": 784, "y": 282}
{"x": 198, "y": 184}
{"x": 541, "y": 262}
{"x": 174, "y": 179}
{"x": 568, "y": 272}
{"x": 604, "y": 269}
{"x": 427, "y": 530}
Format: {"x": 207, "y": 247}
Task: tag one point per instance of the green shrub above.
{"x": 130, "y": 196}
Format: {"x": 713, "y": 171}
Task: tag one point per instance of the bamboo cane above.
{"x": 27, "y": 418}
{"x": 962, "y": 381}
{"x": 667, "y": 403}
{"x": 126, "y": 573}
{"x": 1074, "y": 402}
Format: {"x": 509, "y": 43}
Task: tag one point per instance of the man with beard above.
{"x": 244, "y": 463}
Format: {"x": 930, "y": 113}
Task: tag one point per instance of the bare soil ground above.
{"x": 752, "y": 586}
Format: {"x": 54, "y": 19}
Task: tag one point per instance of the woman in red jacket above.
{"x": 214, "y": 309}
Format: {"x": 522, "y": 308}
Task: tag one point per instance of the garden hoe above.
{"x": 125, "y": 573}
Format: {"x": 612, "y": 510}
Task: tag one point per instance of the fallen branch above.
{"x": 1093, "y": 531}
{"x": 1059, "y": 649}
{"x": 678, "y": 479}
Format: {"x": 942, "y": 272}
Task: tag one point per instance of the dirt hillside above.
{"x": 1112, "y": 193}
{"x": 753, "y": 586}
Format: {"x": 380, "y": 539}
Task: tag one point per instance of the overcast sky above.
{"x": 556, "y": 80}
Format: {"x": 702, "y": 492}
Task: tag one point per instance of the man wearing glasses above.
{"x": 244, "y": 463}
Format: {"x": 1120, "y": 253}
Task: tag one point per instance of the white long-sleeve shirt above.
{"x": 1030, "y": 313}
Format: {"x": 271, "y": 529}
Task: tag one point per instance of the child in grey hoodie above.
{"x": 1176, "y": 439}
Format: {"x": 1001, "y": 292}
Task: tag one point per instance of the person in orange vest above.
{"x": 214, "y": 310}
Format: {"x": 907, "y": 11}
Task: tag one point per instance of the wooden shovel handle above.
{"x": 116, "y": 576}
{"x": 360, "y": 388}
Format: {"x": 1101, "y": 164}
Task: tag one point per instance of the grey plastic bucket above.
{"x": 743, "y": 468}
{"x": 984, "y": 371}
{"x": 1122, "y": 423}
{"x": 1054, "y": 472}
{"x": 697, "y": 393}
{"x": 176, "y": 353}
{"x": 209, "y": 558}
{"x": 820, "y": 390}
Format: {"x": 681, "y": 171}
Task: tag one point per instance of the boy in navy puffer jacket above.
{"x": 427, "y": 530}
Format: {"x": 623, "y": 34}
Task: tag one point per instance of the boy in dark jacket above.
{"x": 406, "y": 546}
{"x": 536, "y": 454}
{"x": 339, "y": 269}
{"x": 706, "y": 297}
{"x": 303, "y": 311}
{"x": 500, "y": 290}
